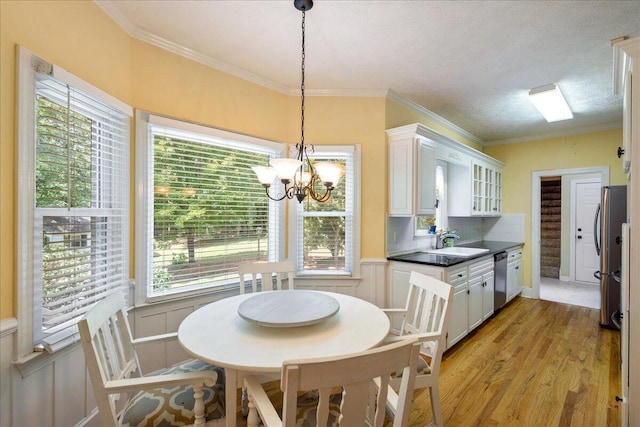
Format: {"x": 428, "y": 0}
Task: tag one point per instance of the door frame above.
{"x": 534, "y": 290}
{"x": 572, "y": 222}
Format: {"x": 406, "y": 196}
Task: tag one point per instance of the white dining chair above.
{"x": 266, "y": 276}
{"x": 426, "y": 317}
{"x": 355, "y": 375}
{"x": 191, "y": 393}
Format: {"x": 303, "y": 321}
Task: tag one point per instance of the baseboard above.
{"x": 565, "y": 278}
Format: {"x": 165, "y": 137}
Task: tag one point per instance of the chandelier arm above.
{"x": 325, "y": 197}
{"x": 275, "y": 199}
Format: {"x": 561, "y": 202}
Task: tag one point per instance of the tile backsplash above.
{"x": 506, "y": 228}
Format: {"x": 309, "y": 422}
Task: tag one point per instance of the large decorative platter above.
{"x": 288, "y": 308}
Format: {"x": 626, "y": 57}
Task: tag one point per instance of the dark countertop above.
{"x": 447, "y": 261}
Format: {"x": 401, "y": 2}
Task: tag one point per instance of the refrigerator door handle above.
{"x": 617, "y": 276}
{"x": 596, "y": 230}
{"x": 615, "y": 318}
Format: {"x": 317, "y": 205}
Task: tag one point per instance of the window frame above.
{"x": 441, "y": 214}
{"x": 296, "y": 231}
{"x": 27, "y": 63}
{"x": 144, "y": 202}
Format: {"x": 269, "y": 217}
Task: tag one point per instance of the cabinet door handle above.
{"x": 468, "y": 292}
{"x": 517, "y": 267}
{"x": 460, "y": 275}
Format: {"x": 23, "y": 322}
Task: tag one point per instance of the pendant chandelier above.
{"x": 299, "y": 176}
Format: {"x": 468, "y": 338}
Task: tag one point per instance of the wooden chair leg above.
{"x": 253, "y": 418}
{"x": 198, "y": 405}
{"x": 434, "y": 393}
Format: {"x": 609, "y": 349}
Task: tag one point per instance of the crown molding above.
{"x": 590, "y": 129}
{"x": 393, "y": 96}
{"x": 178, "y": 49}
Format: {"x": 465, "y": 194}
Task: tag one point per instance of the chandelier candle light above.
{"x": 298, "y": 175}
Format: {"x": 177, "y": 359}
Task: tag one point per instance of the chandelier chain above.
{"x": 302, "y": 85}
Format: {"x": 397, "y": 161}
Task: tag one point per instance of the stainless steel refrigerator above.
{"x": 610, "y": 215}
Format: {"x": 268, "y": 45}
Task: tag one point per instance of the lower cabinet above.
{"x": 481, "y": 289}
{"x": 514, "y": 273}
{"x": 459, "y": 318}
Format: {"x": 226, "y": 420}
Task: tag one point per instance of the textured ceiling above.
{"x": 470, "y": 62}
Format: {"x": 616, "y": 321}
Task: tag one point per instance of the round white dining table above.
{"x": 217, "y": 334}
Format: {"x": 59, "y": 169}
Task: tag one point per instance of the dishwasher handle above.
{"x": 500, "y": 256}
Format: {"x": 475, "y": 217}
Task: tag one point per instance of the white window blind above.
{"x": 206, "y": 211}
{"x": 325, "y": 231}
{"x": 80, "y": 207}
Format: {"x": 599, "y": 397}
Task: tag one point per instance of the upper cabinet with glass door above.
{"x": 486, "y": 188}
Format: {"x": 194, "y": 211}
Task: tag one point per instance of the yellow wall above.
{"x": 81, "y": 38}
{"x": 521, "y": 160}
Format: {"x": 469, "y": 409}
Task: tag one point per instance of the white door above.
{"x": 587, "y": 261}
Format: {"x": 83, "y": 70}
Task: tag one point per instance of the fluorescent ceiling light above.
{"x": 550, "y": 102}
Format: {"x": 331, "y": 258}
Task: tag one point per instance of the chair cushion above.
{"x": 174, "y": 406}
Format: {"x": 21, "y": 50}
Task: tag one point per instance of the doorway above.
{"x": 596, "y": 173}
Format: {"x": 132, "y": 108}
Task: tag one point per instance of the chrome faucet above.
{"x": 442, "y": 237}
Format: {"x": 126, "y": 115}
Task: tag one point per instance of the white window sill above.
{"x": 35, "y": 361}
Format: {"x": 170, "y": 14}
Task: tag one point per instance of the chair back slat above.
{"x": 109, "y": 353}
{"x": 355, "y": 374}
{"x": 427, "y": 311}
{"x": 281, "y": 272}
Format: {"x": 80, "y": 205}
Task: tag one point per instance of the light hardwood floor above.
{"x": 535, "y": 363}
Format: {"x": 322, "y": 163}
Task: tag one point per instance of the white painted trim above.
{"x": 411, "y": 130}
{"x": 8, "y": 326}
{"x": 178, "y": 49}
{"x": 25, "y": 135}
{"x": 292, "y": 207}
{"x": 565, "y": 279}
{"x": 374, "y": 261}
{"x": 530, "y": 293}
{"x": 535, "y": 217}
{"x": 86, "y": 420}
{"x": 393, "y": 96}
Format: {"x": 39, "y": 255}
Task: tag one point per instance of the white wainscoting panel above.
{"x": 8, "y": 329}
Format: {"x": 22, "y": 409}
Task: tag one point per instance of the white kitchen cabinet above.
{"x": 412, "y": 175}
{"x": 514, "y": 273}
{"x": 475, "y": 302}
{"x": 475, "y": 190}
{"x": 486, "y": 189}
{"x": 481, "y": 290}
{"x": 459, "y": 317}
{"x": 623, "y": 85}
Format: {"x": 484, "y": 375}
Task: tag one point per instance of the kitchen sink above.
{"x": 457, "y": 251}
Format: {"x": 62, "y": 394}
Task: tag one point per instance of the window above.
{"x": 202, "y": 210}
{"x": 439, "y": 220}
{"x": 327, "y": 235}
{"x": 73, "y": 222}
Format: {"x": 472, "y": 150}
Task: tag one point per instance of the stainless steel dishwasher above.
{"x": 500, "y": 270}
